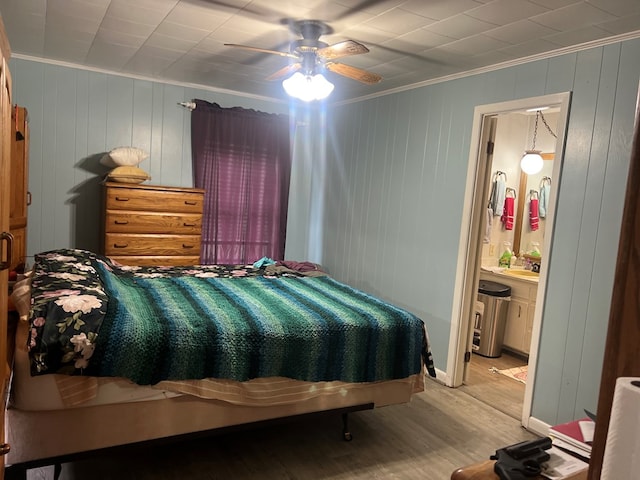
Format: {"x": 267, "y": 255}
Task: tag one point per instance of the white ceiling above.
{"x": 410, "y": 41}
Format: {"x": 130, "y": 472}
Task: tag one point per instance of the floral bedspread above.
{"x": 88, "y": 318}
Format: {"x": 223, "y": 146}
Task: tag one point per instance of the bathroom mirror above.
{"x": 536, "y": 186}
{"x": 514, "y": 134}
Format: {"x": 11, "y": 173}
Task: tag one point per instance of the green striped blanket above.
{"x": 236, "y": 322}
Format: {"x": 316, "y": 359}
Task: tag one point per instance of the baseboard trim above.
{"x": 538, "y": 427}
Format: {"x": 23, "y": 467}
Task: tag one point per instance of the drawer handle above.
{"x": 121, "y": 222}
{"x": 185, "y": 224}
{"x": 4, "y": 449}
{"x": 120, "y": 245}
{"x": 184, "y": 245}
{"x": 122, "y": 199}
{"x": 190, "y": 202}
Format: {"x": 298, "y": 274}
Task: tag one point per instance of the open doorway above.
{"x": 501, "y": 133}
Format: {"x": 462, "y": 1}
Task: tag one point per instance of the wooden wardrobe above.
{"x": 6, "y": 238}
{"x": 20, "y": 198}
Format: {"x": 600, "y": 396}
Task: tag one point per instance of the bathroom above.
{"x": 513, "y": 240}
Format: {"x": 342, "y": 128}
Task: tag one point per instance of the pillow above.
{"x": 128, "y": 175}
{"x": 124, "y": 157}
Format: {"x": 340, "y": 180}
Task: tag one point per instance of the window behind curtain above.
{"x": 242, "y": 159}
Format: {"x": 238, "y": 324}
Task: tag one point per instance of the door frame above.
{"x": 470, "y": 243}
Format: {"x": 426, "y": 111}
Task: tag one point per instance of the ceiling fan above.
{"x": 310, "y": 56}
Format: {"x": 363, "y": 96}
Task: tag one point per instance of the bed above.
{"x": 109, "y": 355}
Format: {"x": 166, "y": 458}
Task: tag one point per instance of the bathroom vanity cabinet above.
{"x": 520, "y": 313}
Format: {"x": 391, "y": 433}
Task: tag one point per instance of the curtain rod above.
{"x": 190, "y": 105}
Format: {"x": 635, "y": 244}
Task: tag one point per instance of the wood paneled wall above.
{"x": 622, "y": 353}
{"x": 75, "y": 117}
{"x": 394, "y": 192}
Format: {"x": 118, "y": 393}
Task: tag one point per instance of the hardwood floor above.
{"x": 501, "y": 392}
{"x": 440, "y": 430}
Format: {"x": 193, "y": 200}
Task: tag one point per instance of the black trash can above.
{"x": 489, "y": 324}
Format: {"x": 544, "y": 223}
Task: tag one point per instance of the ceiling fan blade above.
{"x": 358, "y": 8}
{"x": 262, "y": 50}
{"x": 342, "y": 49}
{"x": 283, "y": 72}
{"x": 354, "y": 73}
{"x": 233, "y": 7}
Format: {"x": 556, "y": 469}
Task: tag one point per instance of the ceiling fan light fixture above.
{"x": 307, "y": 87}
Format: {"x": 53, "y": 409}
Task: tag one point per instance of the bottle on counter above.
{"x": 535, "y": 250}
{"x": 505, "y": 258}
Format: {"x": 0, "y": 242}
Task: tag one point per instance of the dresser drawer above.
{"x": 151, "y": 244}
{"x": 121, "y": 221}
{"x": 153, "y": 200}
{"x": 157, "y": 261}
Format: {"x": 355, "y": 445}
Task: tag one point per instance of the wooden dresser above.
{"x": 151, "y": 224}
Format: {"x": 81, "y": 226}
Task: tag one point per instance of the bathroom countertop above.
{"x": 512, "y": 273}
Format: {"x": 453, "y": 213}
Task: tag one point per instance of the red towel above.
{"x": 507, "y": 213}
{"x": 533, "y": 214}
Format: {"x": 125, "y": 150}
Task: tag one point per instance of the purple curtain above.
{"x": 242, "y": 159}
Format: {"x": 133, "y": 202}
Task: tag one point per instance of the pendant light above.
{"x": 532, "y": 161}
